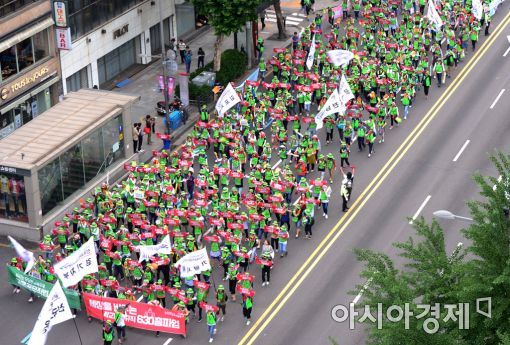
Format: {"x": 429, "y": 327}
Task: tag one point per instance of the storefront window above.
{"x": 24, "y": 54}
{"x": 41, "y": 45}
{"x": 77, "y": 81}
{"x": 50, "y": 186}
{"x": 116, "y": 61}
{"x": 13, "y": 201}
{"x": 8, "y": 62}
{"x": 24, "y": 111}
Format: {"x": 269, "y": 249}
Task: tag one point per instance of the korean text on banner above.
{"x": 164, "y": 247}
{"x": 333, "y": 105}
{"x": 82, "y": 262}
{"x": 39, "y": 287}
{"x": 311, "y": 54}
{"x": 227, "y": 100}
{"x": 138, "y": 315}
{"x": 54, "y": 311}
{"x": 194, "y": 263}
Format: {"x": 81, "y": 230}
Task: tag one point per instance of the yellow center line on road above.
{"x": 328, "y": 241}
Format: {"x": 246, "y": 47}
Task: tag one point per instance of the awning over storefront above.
{"x": 23, "y": 35}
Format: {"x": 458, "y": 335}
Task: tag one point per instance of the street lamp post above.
{"x": 165, "y": 80}
{"x": 444, "y": 214}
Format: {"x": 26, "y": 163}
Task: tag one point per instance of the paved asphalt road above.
{"x": 427, "y": 168}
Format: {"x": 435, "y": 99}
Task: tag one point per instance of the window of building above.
{"x": 80, "y": 164}
{"x": 78, "y": 80}
{"x": 86, "y": 15}
{"x": 24, "y": 54}
{"x": 116, "y": 61}
{"x": 10, "y": 6}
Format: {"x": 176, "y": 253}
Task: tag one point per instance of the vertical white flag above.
{"x": 477, "y": 9}
{"x": 311, "y": 54}
{"x": 333, "y": 105}
{"x": 24, "y": 254}
{"x": 227, "y": 100}
{"x": 80, "y": 263}
{"x": 434, "y": 16}
{"x": 345, "y": 91}
{"x": 54, "y": 311}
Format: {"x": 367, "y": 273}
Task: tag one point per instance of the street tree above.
{"x": 489, "y": 268}
{"x": 429, "y": 275}
{"x": 279, "y": 19}
{"x": 226, "y": 17}
{"x": 472, "y": 275}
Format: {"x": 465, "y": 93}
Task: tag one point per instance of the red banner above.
{"x": 138, "y": 315}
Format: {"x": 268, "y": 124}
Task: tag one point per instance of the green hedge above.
{"x": 233, "y": 66}
{"x": 195, "y": 91}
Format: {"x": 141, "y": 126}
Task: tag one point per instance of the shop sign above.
{"x": 15, "y": 171}
{"x": 121, "y": 31}
{"x": 64, "y": 38}
{"x": 60, "y": 13}
{"x": 28, "y": 80}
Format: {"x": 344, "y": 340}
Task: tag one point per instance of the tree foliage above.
{"x": 226, "y": 17}
{"x": 431, "y": 275}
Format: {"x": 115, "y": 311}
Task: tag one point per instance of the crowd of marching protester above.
{"x": 248, "y": 180}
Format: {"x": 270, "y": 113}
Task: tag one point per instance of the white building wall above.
{"x": 89, "y": 48}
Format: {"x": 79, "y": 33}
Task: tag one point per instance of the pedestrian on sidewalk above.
{"x": 135, "y": 137}
{"x": 263, "y": 18}
{"x": 182, "y": 49}
{"x": 188, "y": 56}
{"x": 140, "y": 136}
{"x": 295, "y": 41}
{"x": 201, "y": 57}
{"x": 172, "y": 46}
{"x": 149, "y": 121}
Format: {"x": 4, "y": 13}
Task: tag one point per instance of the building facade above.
{"x": 111, "y": 38}
{"x": 29, "y": 63}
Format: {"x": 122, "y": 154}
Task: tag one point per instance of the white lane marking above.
{"x": 168, "y": 341}
{"x": 358, "y": 297}
{"x": 138, "y": 300}
{"x": 507, "y": 51}
{"x": 420, "y": 209}
{"x": 287, "y": 21}
{"x": 277, "y": 163}
{"x": 461, "y": 150}
{"x": 497, "y": 99}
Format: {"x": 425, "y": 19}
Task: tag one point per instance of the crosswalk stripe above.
{"x": 271, "y": 18}
{"x": 288, "y": 22}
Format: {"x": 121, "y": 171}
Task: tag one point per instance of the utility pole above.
{"x": 163, "y": 58}
{"x": 249, "y": 47}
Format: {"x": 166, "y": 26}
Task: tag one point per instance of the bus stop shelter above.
{"x": 48, "y": 164}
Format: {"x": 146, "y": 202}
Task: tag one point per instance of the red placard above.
{"x": 260, "y": 261}
{"x": 208, "y": 307}
{"x": 138, "y": 315}
{"x": 164, "y": 136}
{"x": 245, "y": 291}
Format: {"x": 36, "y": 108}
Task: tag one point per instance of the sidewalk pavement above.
{"x": 145, "y": 83}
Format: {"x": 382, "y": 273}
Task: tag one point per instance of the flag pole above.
{"x": 77, "y": 331}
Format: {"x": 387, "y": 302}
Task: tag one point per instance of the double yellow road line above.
{"x": 312, "y": 261}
